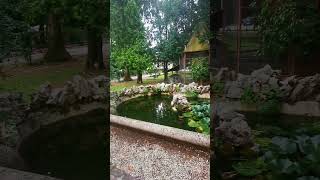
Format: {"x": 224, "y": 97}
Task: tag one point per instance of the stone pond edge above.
{"x": 163, "y": 131}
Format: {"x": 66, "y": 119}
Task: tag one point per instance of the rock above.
{"x": 235, "y": 130}
{"x": 225, "y": 74}
{"x": 10, "y": 158}
{"x": 274, "y": 83}
{"x": 175, "y": 78}
{"x": 266, "y": 70}
{"x": 234, "y": 91}
{"x": 180, "y": 103}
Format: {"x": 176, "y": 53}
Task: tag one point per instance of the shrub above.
{"x": 218, "y": 88}
{"x": 271, "y": 104}
{"x": 200, "y": 69}
{"x": 192, "y": 94}
{"x": 249, "y": 97}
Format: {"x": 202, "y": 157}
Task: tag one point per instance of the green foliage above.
{"x": 130, "y": 49}
{"x": 199, "y": 118}
{"x": 3, "y": 116}
{"x": 249, "y": 97}
{"x": 169, "y": 29}
{"x": 200, "y": 69}
{"x": 14, "y": 29}
{"x": 218, "y": 88}
{"x": 192, "y": 94}
{"x": 294, "y": 157}
{"x": 250, "y": 168}
{"x": 268, "y": 103}
{"x": 271, "y": 104}
{"x": 290, "y": 25}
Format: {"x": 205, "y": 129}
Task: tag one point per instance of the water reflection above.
{"x": 159, "y": 110}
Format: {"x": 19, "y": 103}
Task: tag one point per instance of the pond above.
{"x": 155, "y": 109}
{"x": 264, "y": 128}
{"x": 70, "y": 150}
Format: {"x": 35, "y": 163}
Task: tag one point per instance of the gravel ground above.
{"x": 148, "y": 157}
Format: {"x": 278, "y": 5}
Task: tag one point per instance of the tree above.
{"x": 13, "y": 29}
{"x": 126, "y": 29}
{"x": 136, "y": 57}
{"x": 173, "y": 22}
{"x": 289, "y": 26}
{"x": 94, "y": 17}
{"x": 53, "y": 11}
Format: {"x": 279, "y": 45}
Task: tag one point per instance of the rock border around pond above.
{"x": 117, "y": 98}
{"x": 296, "y": 95}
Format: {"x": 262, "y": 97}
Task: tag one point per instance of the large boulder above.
{"x": 233, "y": 129}
{"x": 224, "y": 74}
{"x": 307, "y": 88}
{"x": 180, "y": 103}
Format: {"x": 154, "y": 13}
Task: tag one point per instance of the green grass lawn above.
{"x": 28, "y": 79}
{"x": 118, "y": 86}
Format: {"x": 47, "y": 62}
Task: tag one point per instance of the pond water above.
{"x": 72, "y": 150}
{"x": 280, "y": 125}
{"x": 154, "y": 109}
{"x": 265, "y": 126}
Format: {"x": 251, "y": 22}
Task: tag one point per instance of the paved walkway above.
{"x": 149, "y": 158}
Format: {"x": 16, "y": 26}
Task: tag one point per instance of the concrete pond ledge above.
{"x": 163, "y": 131}
{"x": 300, "y": 108}
{"x": 13, "y": 174}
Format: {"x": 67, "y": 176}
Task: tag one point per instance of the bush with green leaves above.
{"x": 199, "y": 118}
{"x": 289, "y": 26}
{"x": 192, "y": 94}
{"x": 249, "y": 97}
{"x": 271, "y": 104}
{"x": 218, "y": 88}
{"x": 200, "y": 69}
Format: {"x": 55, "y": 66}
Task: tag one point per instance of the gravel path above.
{"x": 147, "y": 157}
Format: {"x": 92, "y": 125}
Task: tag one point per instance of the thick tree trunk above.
{"x": 56, "y": 50}
{"x": 95, "y": 53}
{"x": 101, "y": 65}
{"x": 127, "y": 76}
{"x": 42, "y": 37}
{"x": 92, "y": 52}
{"x": 139, "y": 79}
{"x": 165, "y": 71}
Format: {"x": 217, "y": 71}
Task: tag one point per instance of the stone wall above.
{"x": 293, "y": 91}
{"x": 161, "y": 88}
{"x": 76, "y": 97}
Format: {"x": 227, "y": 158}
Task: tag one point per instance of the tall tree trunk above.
{"x": 101, "y": 64}
{"x": 42, "y": 37}
{"x": 92, "y": 52}
{"x": 56, "y": 50}
{"x": 139, "y": 79}
{"x": 95, "y": 52}
{"x": 165, "y": 71}
{"x": 127, "y": 76}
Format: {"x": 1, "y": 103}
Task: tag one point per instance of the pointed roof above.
{"x": 194, "y": 43}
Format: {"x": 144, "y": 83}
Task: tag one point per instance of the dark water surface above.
{"x": 72, "y": 150}
{"x": 154, "y": 109}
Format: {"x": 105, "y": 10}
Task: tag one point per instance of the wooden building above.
{"x": 238, "y": 42}
{"x": 194, "y": 49}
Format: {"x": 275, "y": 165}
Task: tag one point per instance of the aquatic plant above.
{"x": 199, "y": 118}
